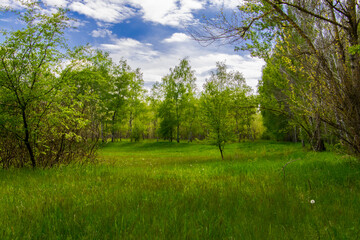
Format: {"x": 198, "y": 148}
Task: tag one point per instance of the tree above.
{"x": 191, "y": 118}
{"x": 288, "y": 99}
{"x": 274, "y": 103}
{"x": 135, "y": 104}
{"x": 121, "y": 77}
{"x": 29, "y": 61}
{"x": 52, "y": 99}
{"x": 154, "y": 100}
{"x": 243, "y": 105}
{"x": 216, "y": 105}
{"x": 92, "y": 86}
{"x": 168, "y": 119}
{"x": 177, "y": 90}
{"x": 327, "y": 49}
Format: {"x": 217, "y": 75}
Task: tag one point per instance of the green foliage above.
{"x": 289, "y": 96}
{"x": 55, "y": 103}
{"x": 243, "y": 105}
{"x": 39, "y": 125}
{"x": 315, "y": 46}
{"x": 274, "y": 103}
{"x": 277, "y": 126}
{"x": 216, "y": 105}
{"x": 177, "y": 93}
{"x": 257, "y": 126}
{"x": 168, "y": 122}
{"x": 354, "y": 49}
{"x": 228, "y": 107}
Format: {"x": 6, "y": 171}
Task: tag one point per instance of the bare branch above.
{"x": 311, "y": 14}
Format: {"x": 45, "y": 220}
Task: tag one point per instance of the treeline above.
{"x": 312, "y": 73}
{"x": 57, "y": 103}
{"x": 311, "y": 83}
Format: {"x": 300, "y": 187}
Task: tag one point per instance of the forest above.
{"x": 57, "y": 104}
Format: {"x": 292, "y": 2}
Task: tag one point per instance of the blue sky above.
{"x": 149, "y": 34}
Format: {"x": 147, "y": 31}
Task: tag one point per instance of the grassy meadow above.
{"x": 162, "y": 190}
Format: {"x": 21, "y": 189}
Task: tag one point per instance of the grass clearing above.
{"x": 176, "y": 191}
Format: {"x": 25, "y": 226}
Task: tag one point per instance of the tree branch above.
{"x": 313, "y": 14}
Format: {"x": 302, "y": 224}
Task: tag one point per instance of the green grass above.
{"x": 163, "y": 190}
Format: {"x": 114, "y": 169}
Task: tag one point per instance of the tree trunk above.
{"x": 113, "y": 127}
{"x": 302, "y": 139}
{"x": 320, "y": 147}
{"x": 237, "y": 128}
{"x": 171, "y": 135}
{"x": 250, "y": 136}
{"x": 102, "y": 132}
{"x": 221, "y": 152}
{"x": 130, "y": 127}
{"x": 93, "y": 130}
{"x": 178, "y": 133}
{"x": 26, "y": 140}
{"x": 318, "y": 142}
{"x": 155, "y": 130}
{"x": 61, "y": 149}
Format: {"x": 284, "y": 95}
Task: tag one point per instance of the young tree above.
{"x": 216, "y": 106}
{"x": 121, "y": 77}
{"x": 29, "y": 60}
{"x": 168, "y": 119}
{"x": 177, "y": 89}
{"x": 154, "y": 100}
{"x": 92, "y": 86}
{"x": 135, "y": 104}
{"x": 243, "y": 105}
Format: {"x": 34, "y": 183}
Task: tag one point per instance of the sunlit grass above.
{"x": 176, "y": 191}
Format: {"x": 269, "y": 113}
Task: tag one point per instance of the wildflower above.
{"x": 312, "y": 201}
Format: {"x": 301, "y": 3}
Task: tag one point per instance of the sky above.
{"x": 150, "y": 34}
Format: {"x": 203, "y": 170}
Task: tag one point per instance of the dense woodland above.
{"x": 58, "y": 104}
{"x": 311, "y": 82}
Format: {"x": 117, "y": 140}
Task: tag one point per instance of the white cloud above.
{"x": 192, "y": 4}
{"x": 107, "y": 11}
{"x": 8, "y": 20}
{"x": 169, "y": 12}
{"x": 14, "y": 4}
{"x": 102, "y": 33}
{"x": 166, "y": 12}
{"x": 177, "y": 37}
{"x": 56, "y": 3}
{"x": 130, "y": 49}
{"x": 76, "y": 23}
{"x": 206, "y": 62}
{"x": 49, "y": 11}
{"x": 156, "y": 63}
{"x": 232, "y": 4}
{"x": 51, "y": 8}
{"x": 175, "y": 13}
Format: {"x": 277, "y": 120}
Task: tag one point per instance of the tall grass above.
{"x": 165, "y": 190}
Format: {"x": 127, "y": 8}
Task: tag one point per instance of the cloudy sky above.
{"x": 149, "y": 34}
